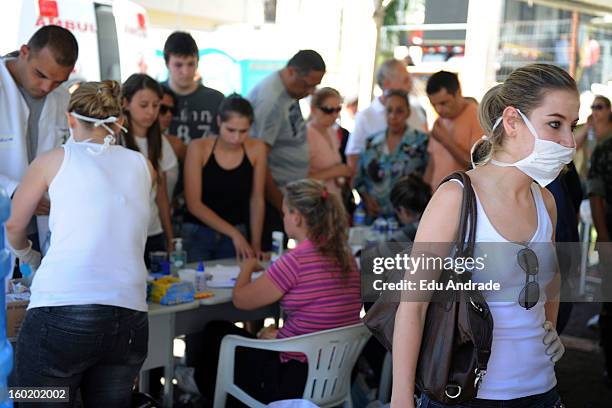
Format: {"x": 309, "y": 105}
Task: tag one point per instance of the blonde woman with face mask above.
{"x": 529, "y": 120}
{"x": 86, "y": 326}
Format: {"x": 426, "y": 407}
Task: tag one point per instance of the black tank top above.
{"x": 226, "y": 192}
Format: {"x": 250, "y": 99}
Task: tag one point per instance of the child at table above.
{"x": 317, "y": 284}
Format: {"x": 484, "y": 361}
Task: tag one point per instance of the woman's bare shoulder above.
{"x": 255, "y": 147}
{"x": 254, "y": 143}
{"x": 201, "y": 146}
{"x": 441, "y": 217}
{"x": 53, "y": 157}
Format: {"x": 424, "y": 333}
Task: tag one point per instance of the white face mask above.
{"x": 108, "y": 139}
{"x": 546, "y": 161}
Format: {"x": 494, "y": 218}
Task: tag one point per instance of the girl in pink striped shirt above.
{"x": 317, "y": 284}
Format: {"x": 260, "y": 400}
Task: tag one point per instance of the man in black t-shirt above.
{"x": 196, "y": 105}
{"x": 195, "y": 113}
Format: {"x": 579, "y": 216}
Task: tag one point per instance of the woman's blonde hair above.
{"x": 325, "y": 217}
{"x": 524, "y": 89}
{"x": 97, "y": 100}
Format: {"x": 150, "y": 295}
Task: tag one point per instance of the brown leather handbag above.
{"x": 458, "y": 330}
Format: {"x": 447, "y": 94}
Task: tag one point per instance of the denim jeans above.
{"x": 203, "y": 243}
{"x": 95, "y": 348}
{"x": 548, "y": 399}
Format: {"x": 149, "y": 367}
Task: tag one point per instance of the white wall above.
{"x": 481, "y": 40}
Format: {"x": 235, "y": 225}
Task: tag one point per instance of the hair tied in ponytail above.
{"x": 476, "y": 145}
{"x": 484, "y": 139}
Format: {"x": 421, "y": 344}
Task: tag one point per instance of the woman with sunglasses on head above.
{"x": 529, "y": 120}
{"x": 141, "y": 96}
{"x": 323, "y": 144}
{"x": 224, "y": 188}
{"x": 389, "y": 155}
{"x": 86, "y": 327}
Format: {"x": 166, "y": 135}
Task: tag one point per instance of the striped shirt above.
{"x": 315, "y": 297}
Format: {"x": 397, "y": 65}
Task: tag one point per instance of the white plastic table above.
{"x": 168, "y": 322}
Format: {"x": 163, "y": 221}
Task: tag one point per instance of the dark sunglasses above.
{"x": 328, "y": 111}
{"x": 163, "y": 109}
{"x": 528, "y": 261}
{"x": 597, "y": 107}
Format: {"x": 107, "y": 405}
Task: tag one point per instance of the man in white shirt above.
{"x": 391, "y": 75}
{"x": 33, "y": 108}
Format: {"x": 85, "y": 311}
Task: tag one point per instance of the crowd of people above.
{"x": 112, "y": 173}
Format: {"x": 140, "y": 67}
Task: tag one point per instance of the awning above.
{"x": 198, "y": 14}
{"x": 599, "y": 7}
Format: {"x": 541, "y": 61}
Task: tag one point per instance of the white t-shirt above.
{"x": 167, "y": 163}
{"x": 172, "y": 174}
{"x": 99, "y": 221}
{"x": 372, "y": 120}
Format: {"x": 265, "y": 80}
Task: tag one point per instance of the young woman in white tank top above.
{"x": 529, "y": 120}
{"x": 86, "y": 326}
{"x": 140, "y": 97}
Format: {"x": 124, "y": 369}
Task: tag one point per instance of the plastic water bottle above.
{"x": 359, "y": 216}
{"x": 380, "y": 227}
{"x": 6, "y": 351}
{"x": 392, "y": 227}
{"x": 371, "y": 236}
{"x": 200, "y": 279}
{"x": 178, "y": 257}
{"x": 277, "y": 245}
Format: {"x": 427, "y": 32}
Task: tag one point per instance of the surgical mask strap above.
{"x": 496, "y": 124}
{"x": 108, "y": 139}
{"x": 528, "y": 124}
{"x": 532, "y": 129}
{"x": 99, "y": 122}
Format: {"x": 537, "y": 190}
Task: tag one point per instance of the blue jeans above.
{"x": 97, "y": 349}
{"x": 548, "y": 399}
{"x": 203, "y": 243}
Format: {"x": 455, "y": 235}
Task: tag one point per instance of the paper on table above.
{"x": 223, "y": 276}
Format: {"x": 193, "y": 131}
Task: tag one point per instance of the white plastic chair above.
{"x": 331, "y": 356}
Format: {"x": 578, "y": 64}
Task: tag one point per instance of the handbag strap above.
{"x": 466, "y": 233}
{"x": 465, "y": 243}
